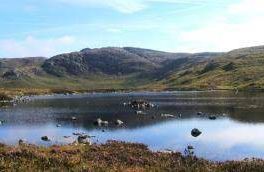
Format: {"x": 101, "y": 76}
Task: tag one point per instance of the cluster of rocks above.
{"x": 140, "y": 104}
{"x": 84, "y": 139}
{"x": 211, "y": 117}
{"x": 9, "y": 101}
{"x": 100, "y": 122}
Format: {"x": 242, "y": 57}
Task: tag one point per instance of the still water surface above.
{"x": 237, "y": 133}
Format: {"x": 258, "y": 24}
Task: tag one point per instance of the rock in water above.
{"x": 190, "y": 147}
{"x": 100, "y": 122}
{"x": 139, "y": 112}
{"x": 104, "y": 123}
{"x": 212, "y": 117}
{"x": 21, "y": 141}
{"x": 167, "y": 115}
{"x": 199, "y": 113}
{"x": 78, "y": 133}
{"x": 195, "y": 132}
{"x": 119, "y": 122}
{"x": 45, "y": 138}
{"x": 83, "y": 139}
{"x": 74, "y": 118}
{"x": 140, "y": 104}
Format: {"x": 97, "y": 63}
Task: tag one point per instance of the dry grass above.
{"x": 112, "y": 156}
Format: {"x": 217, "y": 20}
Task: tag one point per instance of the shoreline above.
{"x": 17, "y": 93}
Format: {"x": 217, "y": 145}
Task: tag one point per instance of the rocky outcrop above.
{"x": 12, "y": 75}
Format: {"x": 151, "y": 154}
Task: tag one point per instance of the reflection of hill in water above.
{"x": 244, "y": 107}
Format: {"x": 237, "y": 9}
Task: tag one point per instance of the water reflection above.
{"x": 236, "y": 133}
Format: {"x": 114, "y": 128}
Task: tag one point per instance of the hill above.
{"x": 135, "y": 68}
{"x": 237, "y": 69}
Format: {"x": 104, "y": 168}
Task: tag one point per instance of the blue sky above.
{"x": 49, "y": 27}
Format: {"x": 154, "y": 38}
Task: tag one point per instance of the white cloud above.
{"x": 236, "y": 135}
{"x": 247, "y": 7}
{"x": 31, "y": 46}
{"x": 224, "y": 36}
{"x": 240, "y": 27}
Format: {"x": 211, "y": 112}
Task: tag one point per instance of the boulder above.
{"x": 100, "y": 122}
{"x": 45, "y": 138}
{"x": 199, "y": 113}
{"x": 104, "y": 123}
{"x": 195, "y": 132}
{"x": 212, "y": 117}
{"x": 189, "y": 151}
{"x": 83, "y": 139}
{"x": 119, "y": 122}
{"x": 167, "y": 115}
{"x": 139, "y": 112}
{"x": 190, "y": 147}
{"x": 21, "y": 141}
{"x": 74, "y": 118}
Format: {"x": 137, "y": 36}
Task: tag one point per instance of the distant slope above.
{"x": 113, "y": 61}
{"x": 241, "y": 68}
{"x": 24, "y": 66}
{"x": 110, "y": 61}
{"x": 136, "y": 68}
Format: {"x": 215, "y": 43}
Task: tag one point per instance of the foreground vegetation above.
{"x": 112, "y": 156}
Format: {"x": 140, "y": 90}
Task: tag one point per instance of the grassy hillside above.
{"x": 242, "y": 69}
{"x": 134, "y": 68}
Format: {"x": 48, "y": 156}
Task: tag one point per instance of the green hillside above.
{"x": 241, "y": 69}
{"x": 130, "y": 68}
